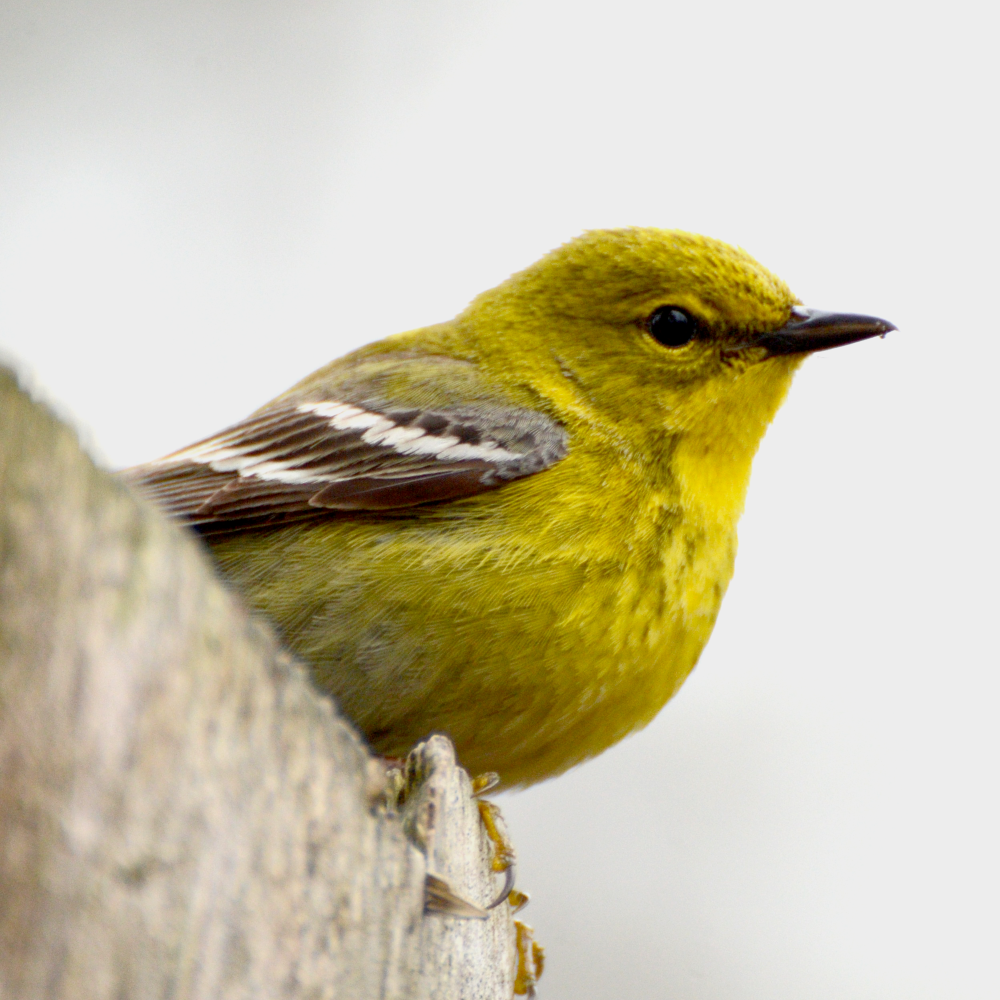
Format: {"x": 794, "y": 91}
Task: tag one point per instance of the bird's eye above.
{"x": 671, "y": 326}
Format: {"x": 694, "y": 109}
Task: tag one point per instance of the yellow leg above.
{"x": 503, "y": 856}
{"x": 438, "y": 895}
{"x": 530, "y": 960}
{"x": 503, "y": 849}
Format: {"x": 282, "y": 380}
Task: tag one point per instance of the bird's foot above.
{"x": 438, "y": 896}
{"x": 530, "y": 960}
{"x": 503, "y": 862}
{"x": 503, "y": 850}
{"x": 530, "y": 954}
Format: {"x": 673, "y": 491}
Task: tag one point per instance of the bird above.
{"x": 516, "y": 527}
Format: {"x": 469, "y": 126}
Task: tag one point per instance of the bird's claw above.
{"x": 508, "y": 886}
{"x": 503, "y": 850}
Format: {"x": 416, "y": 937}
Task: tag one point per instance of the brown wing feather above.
{"x": 312, "y": 458}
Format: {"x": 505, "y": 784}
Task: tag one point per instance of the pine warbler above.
{"x": 515, "y": 527}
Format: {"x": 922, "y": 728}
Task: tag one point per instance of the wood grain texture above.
{"x": 181, "y": 814}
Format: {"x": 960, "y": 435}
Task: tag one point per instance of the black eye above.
{"x": 671, "y": 326}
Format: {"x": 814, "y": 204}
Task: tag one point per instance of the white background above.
{"x": 202, "y": 202}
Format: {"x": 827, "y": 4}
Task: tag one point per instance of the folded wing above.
{"x": 314, "y": 457}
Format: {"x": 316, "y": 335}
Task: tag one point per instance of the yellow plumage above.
{"x": 541, "y": 619}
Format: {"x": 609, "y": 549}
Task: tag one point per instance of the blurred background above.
{"x": 200, "y": 202}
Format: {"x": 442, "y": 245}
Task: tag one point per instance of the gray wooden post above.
{"x": 181, "y": 814}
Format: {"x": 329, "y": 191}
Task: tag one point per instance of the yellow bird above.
{"x": 515, "y": 527}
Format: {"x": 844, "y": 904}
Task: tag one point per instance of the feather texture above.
{"x": 308, "y": 458}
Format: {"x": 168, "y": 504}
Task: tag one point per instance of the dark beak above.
{"x": 813, "y": 330}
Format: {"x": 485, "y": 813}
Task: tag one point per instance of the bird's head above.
{"x": 678, "y": 338}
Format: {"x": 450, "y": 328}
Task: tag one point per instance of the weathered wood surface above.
{"x": 181, "y": 814}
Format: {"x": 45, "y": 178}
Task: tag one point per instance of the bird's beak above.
{"x": 813, "y": 330}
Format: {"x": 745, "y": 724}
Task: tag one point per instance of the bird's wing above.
{"x": 330, "y": 451}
